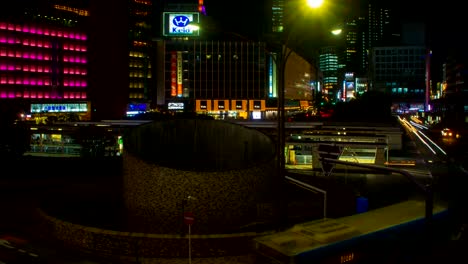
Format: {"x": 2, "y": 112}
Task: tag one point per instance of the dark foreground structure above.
{"x": 222, "y": 173}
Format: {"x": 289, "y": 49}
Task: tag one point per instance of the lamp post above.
{"x": 281, "y": 62}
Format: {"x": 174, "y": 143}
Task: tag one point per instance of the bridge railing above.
{"x": 426, "y": 190}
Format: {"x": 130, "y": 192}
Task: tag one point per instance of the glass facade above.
{"x": 218, "y": 70}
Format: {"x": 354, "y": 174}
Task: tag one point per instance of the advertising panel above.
{"x": 179, "y": 73}
{"x": 177, "y": 23}
{"x": 256, "y": 105}
{"x": 173, "y": 73}
{"x": 203, "y": 105}
{"x": 350, "y": 90}
{"x": 222, "y": 105}
{"x": 175, "y": 106}
{"x": 239, "y": 105}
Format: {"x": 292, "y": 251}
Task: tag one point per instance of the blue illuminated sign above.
{"x": 178, "y": 24}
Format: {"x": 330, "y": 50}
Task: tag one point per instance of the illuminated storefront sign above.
{"x": 256, "y": 115}
{"x": 177, "y": 23}
{"x": 203, "y": 105}
{"x": 257, "y": 104}
{"x": 221, "y": 105}
{"x": 59, "y": 108}
{"x": 179, "y": 74}
{"x": 175, "y": 106}
{"x": 173, "y": 73}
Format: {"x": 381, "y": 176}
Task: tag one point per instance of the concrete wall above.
{"x": 201, "y": 145}
{"x": 130, "y": 246}
{"x": 229, "y": 169}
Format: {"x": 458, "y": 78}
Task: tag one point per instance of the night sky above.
{"x": 446, "y": 21}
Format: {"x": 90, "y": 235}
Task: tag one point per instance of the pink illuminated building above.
{"x": 46, "y": 66}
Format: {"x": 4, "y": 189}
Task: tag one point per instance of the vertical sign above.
{"x": 179, "y": 73}
{"x": 173, "y": 73}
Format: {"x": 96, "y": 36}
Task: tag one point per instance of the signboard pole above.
{"x": 189, "y": 245}
{"x": 188, "y": 220}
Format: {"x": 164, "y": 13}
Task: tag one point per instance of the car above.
{"x": 449, "y": 133}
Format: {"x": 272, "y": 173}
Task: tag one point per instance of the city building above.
{"x": 328, "y": 63}
{"x": 141, "y": 92}
{"x": 449, "y": 104}
{"x": 44, "y": 61}
{"x": 222, "y": 73}
{"x": 400, "y": 71}
{"x": 117, "y": 54}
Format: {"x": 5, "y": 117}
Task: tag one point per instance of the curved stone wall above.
{"x": 130, "y": 245}
{"x": 201, "y": 145}
{"x": 227, "y": 168}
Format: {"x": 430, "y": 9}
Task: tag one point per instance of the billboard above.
{"x": 176, "y": 24}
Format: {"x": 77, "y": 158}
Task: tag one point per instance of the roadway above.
{"x": 445, "y": 157}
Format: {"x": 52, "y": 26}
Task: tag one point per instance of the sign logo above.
{"x": 179, "y": 24}
{"x": 180, "y": 21}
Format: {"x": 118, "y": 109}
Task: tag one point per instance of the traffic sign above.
{"x": 329, "y": 151}
{"x": 188, "y": 218}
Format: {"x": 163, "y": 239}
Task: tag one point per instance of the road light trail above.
{"x": 433, "y": 143}
{"x": 417, "y": 127}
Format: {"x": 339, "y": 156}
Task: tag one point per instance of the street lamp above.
{"x": 280, "y": 60}
{"x": 281, "y": 140}
{"x": 314, "y": 3}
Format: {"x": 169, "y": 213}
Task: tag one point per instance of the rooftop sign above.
{"x": 177, "y": 23}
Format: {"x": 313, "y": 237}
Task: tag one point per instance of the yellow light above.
{"x": 314, "y": 3}
{"x": 194, "y": 26}
{"x": 336, "y": 31}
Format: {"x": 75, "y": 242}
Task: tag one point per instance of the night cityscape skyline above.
{"x": 412, "y": 23}
{"x": 243, "y": 132}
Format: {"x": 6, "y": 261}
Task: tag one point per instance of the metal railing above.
{"x": 425, "y": 189}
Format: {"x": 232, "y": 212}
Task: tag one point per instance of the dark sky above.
{"x": 446, "y": 21}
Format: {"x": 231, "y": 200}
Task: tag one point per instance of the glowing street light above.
{"x": 336, "y": 31}
{"x": 281, "y": 141}
{"x": 314, "y": 3}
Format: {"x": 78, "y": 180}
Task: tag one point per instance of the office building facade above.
{"x": 400, "y": 72}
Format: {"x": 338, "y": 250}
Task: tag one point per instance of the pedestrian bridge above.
{"x": 380, "y": 232}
